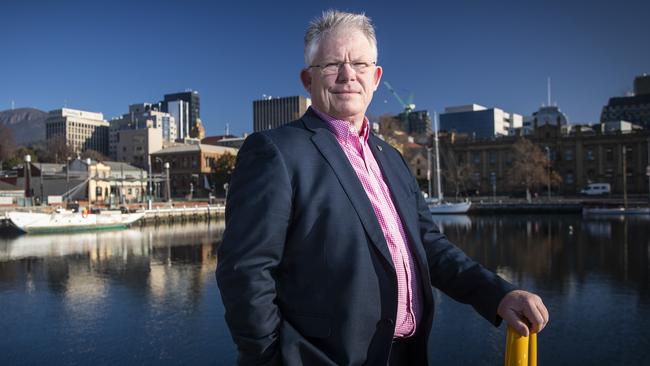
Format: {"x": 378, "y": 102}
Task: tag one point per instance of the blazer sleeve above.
{"x": 258, "y": 210}
{"x": 456, "y": 274}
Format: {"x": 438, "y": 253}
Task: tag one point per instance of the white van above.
{"x": 597, "y": 189}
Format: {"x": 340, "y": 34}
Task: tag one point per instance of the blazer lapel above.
{"x": 326, "y": 143}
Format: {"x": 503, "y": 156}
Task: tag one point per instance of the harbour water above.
{"x": 148, "y": 295}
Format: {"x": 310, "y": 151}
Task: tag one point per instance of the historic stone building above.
{"x": 580, "y": 154}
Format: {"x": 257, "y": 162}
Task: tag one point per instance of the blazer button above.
{"x": 390, "y": 322}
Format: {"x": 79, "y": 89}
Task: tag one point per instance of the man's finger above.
{"x": 533, "y": 315}
{"x": 517, "y": 323}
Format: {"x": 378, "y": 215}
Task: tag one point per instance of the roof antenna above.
{"x": 548, "y": 91}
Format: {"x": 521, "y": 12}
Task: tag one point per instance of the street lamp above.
{"x": 169, "y": 193}
{"x": 548, "y": 184}
{"x": 28, "y": 175}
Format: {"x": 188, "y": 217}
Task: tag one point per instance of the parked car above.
{"x": 597, "y": 189}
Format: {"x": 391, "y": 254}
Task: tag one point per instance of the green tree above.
{"x": 18, "y": 157}
{"x": 223, "y": 168}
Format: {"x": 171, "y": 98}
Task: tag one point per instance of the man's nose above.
{"x": 346, "y": 72}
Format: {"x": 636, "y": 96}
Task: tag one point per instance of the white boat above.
{"x": 442, "y": 208}
{"x": 616, "y": 211}
{"x": 438, "y": 206}
{"x": 66, "y": 221}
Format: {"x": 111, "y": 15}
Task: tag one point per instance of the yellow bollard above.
{"x": 520, "y": 350}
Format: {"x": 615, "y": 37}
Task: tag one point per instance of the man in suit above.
{"x": 330, "y": 253}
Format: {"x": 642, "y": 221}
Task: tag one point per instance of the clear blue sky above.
{"x": 104, "y": 55}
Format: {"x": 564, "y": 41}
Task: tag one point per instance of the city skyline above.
{"x": 103, "y": 58}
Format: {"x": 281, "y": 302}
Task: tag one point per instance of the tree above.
{"x": 530, "y": 168}
{"x": 459, "y": 175}
{"x": 56, "y": 150}
{"x": 18, "y": 157}
{"x": 390, "y": 128}
{"x": 223, "y": 168}
{"x": 7, "y": 144}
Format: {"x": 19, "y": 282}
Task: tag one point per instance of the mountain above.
{"x": 27, "y": 124}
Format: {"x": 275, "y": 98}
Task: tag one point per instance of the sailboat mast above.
{"x": 435, "y": 143}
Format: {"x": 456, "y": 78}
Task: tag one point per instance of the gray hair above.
{"x": 331, "y": 21}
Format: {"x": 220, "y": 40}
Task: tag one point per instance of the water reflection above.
{"x": 148, "y": 295}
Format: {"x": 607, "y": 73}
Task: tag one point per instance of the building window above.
{"x": 476, "y": 157}
{"x": 590, "y": 154}
{"x": 609, "y": 154}
{"x": 568, "y": 155}
{"x": 492, "y": 157}
{"x": 568, "y": 178}
{"x": 418, "y": 172}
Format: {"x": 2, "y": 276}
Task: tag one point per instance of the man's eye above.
{"x": 332, "y": 64}
{"x": 360, "y": 64}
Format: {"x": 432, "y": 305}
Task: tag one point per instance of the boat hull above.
{"x": 37, "y": 223}
{"x": 616, "y": 211}
{"x": 449, "y": 208}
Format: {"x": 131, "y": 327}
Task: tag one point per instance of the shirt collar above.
{"x": 344, "y": 130}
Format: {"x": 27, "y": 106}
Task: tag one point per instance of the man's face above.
{"x": 347, "y": 94}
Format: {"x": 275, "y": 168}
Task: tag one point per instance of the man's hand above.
{"x": 523, "y": 310}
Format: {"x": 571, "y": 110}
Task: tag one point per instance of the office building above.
{"x": 545, "y": 115}
{"x": 634, "y": 109}
{"x": 135, "y": 146}
{"x": 81, "y": 130}
{"x": 416, "y": 123}
{"x": 274, "y": 112}
{"x": 141, "y": 116}
{"x": 186, "y": 109}
{"x": 479, "y": 122}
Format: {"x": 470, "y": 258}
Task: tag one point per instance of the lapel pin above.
{"x": 379, "y": 147}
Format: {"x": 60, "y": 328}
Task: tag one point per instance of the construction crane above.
{"x": 408, "y": 107}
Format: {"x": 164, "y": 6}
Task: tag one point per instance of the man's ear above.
{"x": 305, "y": 77}
{"x": 378, "y": 72}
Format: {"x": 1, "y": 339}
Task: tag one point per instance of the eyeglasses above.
{"x": 333, "y": 67}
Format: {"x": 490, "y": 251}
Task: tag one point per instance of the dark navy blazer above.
{"x": 304, "y": 270}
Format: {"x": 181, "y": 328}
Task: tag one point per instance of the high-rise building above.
{"x": 187, "y": 114}
{"x": 635, "y": 109}
{"x": 416, "y": 122}
{"x": 478, "y": 121}
{"x": 141, "y": 116}
{"x": 81, "y": 130}
{"x": 274, "y": 112}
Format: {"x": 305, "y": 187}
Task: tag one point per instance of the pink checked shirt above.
{"x": 356, "y": 148}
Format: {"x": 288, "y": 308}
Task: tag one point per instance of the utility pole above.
{"x": 40, "y": 167}
{"x": 548, "y": 185}
{"x": 429, "y": 170}
{"x": 624, "y": 177}
{"x": 647, "y": 171}
{"x": 437, "y": 147}
{"x": 150, "y": 180}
